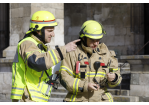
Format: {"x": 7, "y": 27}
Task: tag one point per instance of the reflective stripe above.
{"x": 75, "y": 86}
{"x": 34, "y": 90}
{"x": 42, "y": 22}
{"x": 16, "y": 94}
{"x": 73, "y": 97}
{"x": 45, "y": 89}
{"x": 109, "y": 96}
{"x": 48, "y": 89}
{"x": 114, "y": 70}
{"x": 46, "y": 94}
{"x": 88, "y": 74}
{"x": 39, "y": 98}
{"x": 115, "y": 84}
{"x": 75, "y": 89}
{"x": 99, "y": 74}
{"x": 55, "y": 56}
{"x": 51, "y": 55}
{"x": 93, "y": 34}
{"x": 68, "y": 70}
{"x": 41, "y": 86}
{"x": 40, "y": 79}
{"x": 18, "y": 88}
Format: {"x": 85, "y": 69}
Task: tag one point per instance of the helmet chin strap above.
{"x": 43, "y": 34}
{"x": 40, "y": 37}
{"x": 84, "y": 41}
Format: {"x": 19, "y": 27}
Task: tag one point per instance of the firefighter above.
{"x": 31, "y": 69}
{"x": 91, "y": 68}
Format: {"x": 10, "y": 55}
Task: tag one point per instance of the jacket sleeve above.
{"x": 68, "y": 78}
{"x": 37, "y": 59}
{"x": 113, "y": 67}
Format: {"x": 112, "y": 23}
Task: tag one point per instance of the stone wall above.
{"x": 5, "y": 79}
{"x": 19, "y": 22}
{"x": 120, "y": 20}
{"x": 139, "y": 69}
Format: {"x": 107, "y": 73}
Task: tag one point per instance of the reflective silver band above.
{"x": 42, "y": 22}
{"x": 95, "y": 73}
{"x": 18, "y": 88}
{"x": 68, "y": 71}
{"x": 93, "y": 34}
{"x": 73, "y": 97}
{"x": 76, "y": 86}
{"x": 49, "y": 87}
{"x": 40, "y": 98}
{"x": 40, "y": 79}
{"x": 34, "y": 90}
{"x": 53, "y": 57}
{"x": 16, "y": 94}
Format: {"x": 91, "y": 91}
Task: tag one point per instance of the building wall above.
{"x": 120, "y": 20}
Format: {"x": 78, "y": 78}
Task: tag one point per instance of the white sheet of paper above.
{"x": 54, "y": 69}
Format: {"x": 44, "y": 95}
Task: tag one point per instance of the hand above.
{"x": 71, "y": 46}
{"x": 57, "y": 72}
{"x": 110, "y": 76}
{"x": 92, "y": 86}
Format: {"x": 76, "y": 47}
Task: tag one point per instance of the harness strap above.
{"x": 59, "y": 51}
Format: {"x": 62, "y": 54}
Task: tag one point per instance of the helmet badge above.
{"x": 37, "y": 17}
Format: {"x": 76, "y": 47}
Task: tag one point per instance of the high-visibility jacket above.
{"x": 28, "y": 70}
{"x": 77, "y": 83}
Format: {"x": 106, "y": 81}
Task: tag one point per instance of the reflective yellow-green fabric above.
{"x": 18, "y": 76}
{"x": 23, "y": 76}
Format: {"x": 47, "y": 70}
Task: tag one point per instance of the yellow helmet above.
{"x": 92, "y": 29}
{"x": 41, "y": 19}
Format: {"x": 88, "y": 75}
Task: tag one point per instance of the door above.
{"x": 4, "y": 27}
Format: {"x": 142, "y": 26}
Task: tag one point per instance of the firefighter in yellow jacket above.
{"x": 31, "y": 69}
{"x": 91, "y": 68}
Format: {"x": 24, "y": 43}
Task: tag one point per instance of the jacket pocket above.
{"x": 107, "y": 97}
{"x": 45, "y": 89}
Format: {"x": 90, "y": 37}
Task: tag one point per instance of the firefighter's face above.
{"x": 93, "y": 43}
{"x": 49, "y": 33}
